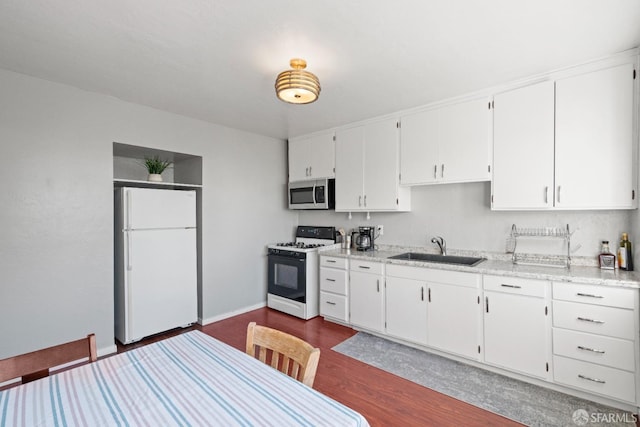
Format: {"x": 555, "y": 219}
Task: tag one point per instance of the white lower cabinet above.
{"x": 595, "y": 339}
{"x": 334, "y": 285}
{"x": 453, "y": 319}
{"x": 366, "y": 295}
{"x": 424, "y": 306}
{"x": 407, "y": 309}
{"x": 516, "y": 325}
{"x": 578, "y": 336}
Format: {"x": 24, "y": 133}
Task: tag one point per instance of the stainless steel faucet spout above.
{"x": 442, "y": 244}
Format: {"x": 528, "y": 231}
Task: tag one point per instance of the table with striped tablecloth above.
{"x": 190, "y": 379}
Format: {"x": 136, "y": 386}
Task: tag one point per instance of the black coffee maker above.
{"x": 365, "y": 238}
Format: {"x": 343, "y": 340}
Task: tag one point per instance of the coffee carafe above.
{"x": 364, "y": 241}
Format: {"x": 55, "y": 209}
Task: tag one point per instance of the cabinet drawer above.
{"x": 595, "y": 378}
{"x": 595, "y": 319}
{"x": 367, "y": 267}
{"x": 459, "y": 278}
{"x": 332, "y": 280}
{"x": 334, "y": 262}
{"x": 592, "y": 294}
{"x": 614, "y": 352}
{"x": 515, "y": 285}
{"x": 335, "y": 306}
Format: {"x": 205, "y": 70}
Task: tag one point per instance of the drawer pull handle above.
{"x": 331, "y": 303}
{"x": 591, "y": 349}
{"x": 589, "y": 295}
{"x": 333, "y": 261}
{"x": 584, "y": 319}
{"x": 511, "y": 286}
{"x": 364, "y": 266}
{"x": 330, "y": 280}
{"x": 595, "y": 380}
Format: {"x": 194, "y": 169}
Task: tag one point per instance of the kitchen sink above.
{"x": 443, "y": 259}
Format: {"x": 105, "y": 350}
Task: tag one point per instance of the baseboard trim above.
{"x": 105, "y": 351}
{"x": 231, "y": 313}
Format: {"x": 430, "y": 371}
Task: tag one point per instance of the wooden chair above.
{"x": 35, "y": 365}
{"x": 286, "y": 353}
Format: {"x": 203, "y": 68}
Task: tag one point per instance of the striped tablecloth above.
{"x": 191, "y": 379}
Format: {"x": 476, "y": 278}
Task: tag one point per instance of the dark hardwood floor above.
{"x": 383, "y": 398}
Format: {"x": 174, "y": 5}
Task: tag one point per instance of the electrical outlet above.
{"x": 380, "y": 229}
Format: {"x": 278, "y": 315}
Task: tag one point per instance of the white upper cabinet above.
{"x": 349, "y": 168}
{"x": 448, "y": 144}
{"x": 367, "y": 168}
{"x": 594, "y": 140}
{"x": 568, "y": 144}
{"x": 419, "y": 148}
{"x": 312, "y": 157}
{"x": 523, "y": 148}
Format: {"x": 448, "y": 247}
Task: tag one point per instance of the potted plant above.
{"x": 155, "y": 166}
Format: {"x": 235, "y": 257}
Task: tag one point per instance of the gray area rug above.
{"x": 522, "y": 402}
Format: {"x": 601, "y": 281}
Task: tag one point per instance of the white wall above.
{"x": 56, "y": 216}
{"x": 461, "y": 214}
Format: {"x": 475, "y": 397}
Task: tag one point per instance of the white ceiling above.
{"x": 217, "y": 60}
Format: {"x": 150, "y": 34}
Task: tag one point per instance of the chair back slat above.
{"x": 289, "y": 354}
{"x": 34, "y": 365}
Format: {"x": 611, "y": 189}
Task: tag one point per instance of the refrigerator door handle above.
{"x": 129, "y": 266}
{"x": 128, "y": 202}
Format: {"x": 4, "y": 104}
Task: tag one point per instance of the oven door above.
{"x": 287, "y": 272}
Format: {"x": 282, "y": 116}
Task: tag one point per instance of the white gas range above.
{"x": 293, "y": 270}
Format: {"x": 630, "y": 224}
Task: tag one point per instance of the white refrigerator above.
{"x": 155, "y": 261}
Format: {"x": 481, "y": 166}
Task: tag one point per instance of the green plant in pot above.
{"x": 155, "y": 166}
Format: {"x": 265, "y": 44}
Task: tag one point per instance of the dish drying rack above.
{"x": 563, "y": 261}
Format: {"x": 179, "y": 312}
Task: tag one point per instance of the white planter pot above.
{"x": 154, "y": 177}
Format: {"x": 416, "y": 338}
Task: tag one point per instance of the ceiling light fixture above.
{"x": 297, "y": 86}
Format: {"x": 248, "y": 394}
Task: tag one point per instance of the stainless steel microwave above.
{"x": 316, "y": 194}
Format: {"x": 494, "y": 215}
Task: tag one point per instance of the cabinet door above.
{"x": 381, "y": 165}
{"x": 594, "y": 140}
{"x": 299, "y": 152}
{"x": 515, "y": 333}
{"x": 464, "y": 144}
{"x": 523, "y": 148}
{"x": 322, "y": 156}
{"x": 366, "y": 301}
{"x": 453, "y": 318}
{"x": 406, "y": 309}
{"x": 349, "y": 168}
{"x": 419, "y": 148}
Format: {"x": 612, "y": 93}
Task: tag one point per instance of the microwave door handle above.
{"x": 314, "y": 194}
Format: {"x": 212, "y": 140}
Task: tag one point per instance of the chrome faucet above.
{"x": 442, "y": 244}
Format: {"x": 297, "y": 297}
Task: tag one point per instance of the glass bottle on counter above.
{"x": 606, "y": 260}
{"x": 625, "y": 254}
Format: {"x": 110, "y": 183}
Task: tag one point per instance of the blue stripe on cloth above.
{"x": 107, "y": 396}
{"x": 284, "y": 406}
{"x": 54, "y": 413}
{"x": 4, "y": 402}
{"x": 157, "y": 390}
{"x": 204, "y": 386}
{"x": 56, "y": 381}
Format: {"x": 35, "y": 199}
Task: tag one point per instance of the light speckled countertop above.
{"x": 500, "y": 265}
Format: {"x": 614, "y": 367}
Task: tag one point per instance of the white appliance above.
{"x": 292, "y": 268}
{"x": 155, "y": 261}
